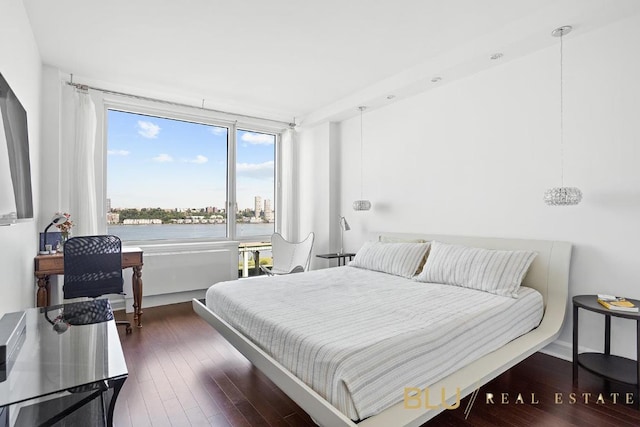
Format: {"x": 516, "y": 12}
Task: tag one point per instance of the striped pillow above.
{"x": 495, "y": 271}
{"x": 391, "y": 239}
{"x": 400, "y": 259}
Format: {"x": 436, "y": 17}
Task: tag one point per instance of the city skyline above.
{"x": 262, "y": 212}
{"x": 110, "y": 206}
{"x": 159, "y": 162}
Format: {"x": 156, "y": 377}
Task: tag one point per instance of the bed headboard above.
{"x": 548, "y": 274}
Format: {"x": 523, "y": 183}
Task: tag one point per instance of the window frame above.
{"x": 205, "y": 117}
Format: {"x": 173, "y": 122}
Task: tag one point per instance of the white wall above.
{"x": 20, "y": 66}
{"x": 474, "y": 157}
{"x": 314, "y": 188}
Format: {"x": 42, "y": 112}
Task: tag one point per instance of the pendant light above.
{"x": 562, "y": 196}
{"x": 362, "y": 204}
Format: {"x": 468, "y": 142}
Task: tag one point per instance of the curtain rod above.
{"x": 176, "y": 104}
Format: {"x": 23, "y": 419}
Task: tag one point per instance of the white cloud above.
{"x": 258, "y": 138}
{"x": 200, "y": 159}
{"x": 148, "y": 129}
{"x": 256, "y": 170}
{"x": 162, "y": 158}
{"x": 117, "y": 152}
{"x": 218, "y": 130}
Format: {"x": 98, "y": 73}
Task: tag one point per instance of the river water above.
{"x": 187, "y": 231}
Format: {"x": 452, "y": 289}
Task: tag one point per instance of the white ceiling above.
{"x": 312, "y": 60}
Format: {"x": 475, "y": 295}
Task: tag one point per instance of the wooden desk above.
{"x": 46, "y": 265}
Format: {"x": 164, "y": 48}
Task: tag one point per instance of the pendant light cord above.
{"x": 361, "y": 153}
{"x": 562, "y": 196}
{"x": 561, "y": 115}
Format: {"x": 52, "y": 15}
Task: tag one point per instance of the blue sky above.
{"x": 157, "y": 162}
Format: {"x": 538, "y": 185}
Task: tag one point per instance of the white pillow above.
{"x": 400, "y": 259}
{"x": 391, "y": 239}
{"x": 495, "y": 271}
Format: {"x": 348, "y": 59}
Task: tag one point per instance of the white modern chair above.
{"x": 289, "y": 257}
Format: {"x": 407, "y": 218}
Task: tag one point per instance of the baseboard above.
{"x": 564, "y": 350}
{"x": 560, "y": 349}
{"x": 164, "y": 299}
{"x": 117, "y": 304}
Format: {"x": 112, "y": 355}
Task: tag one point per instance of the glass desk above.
{"x": 71, "y": 352}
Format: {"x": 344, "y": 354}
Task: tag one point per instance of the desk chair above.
{"x": 93, "y": 267}
{"x": 289, "y": 257}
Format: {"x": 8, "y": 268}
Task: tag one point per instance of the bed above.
{"x": 306, "y": 373}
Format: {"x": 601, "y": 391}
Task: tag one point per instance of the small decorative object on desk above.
{"x": 617, "y": 303}
{"x": 65, "y": 229}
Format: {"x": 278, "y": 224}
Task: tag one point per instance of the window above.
{"x": 168, "y": 179}
{"x": 255, "y": 172}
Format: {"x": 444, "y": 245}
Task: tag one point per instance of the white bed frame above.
{"x": 549, "y": 274}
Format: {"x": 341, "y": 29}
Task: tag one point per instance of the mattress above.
{"x": 359, "y": 337}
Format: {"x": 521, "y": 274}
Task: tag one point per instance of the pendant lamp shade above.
{"x": 362, "y": 204}
{"x": 562, "y": 196}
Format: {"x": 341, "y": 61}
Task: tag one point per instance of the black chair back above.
{"x": 92, "y": 266}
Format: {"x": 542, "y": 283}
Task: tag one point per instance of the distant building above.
{"x": 113, "y": 218}
{"x": 108, "y": 204}
{"x": 139, "y": 221}
{"x": 258, "y": 206}
{"x": 268, "y": 211}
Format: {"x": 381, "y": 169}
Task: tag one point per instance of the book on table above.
{"x": 617, "y": 303}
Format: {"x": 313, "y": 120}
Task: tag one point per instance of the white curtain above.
{"x": 288, "y": 191}
{"x": 77, "y": 162}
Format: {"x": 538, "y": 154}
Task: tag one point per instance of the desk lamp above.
{"x": 57, "y": 219}
{"x": 344, "y": 226}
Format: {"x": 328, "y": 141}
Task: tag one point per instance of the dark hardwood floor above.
{"x": 182, "y": 373}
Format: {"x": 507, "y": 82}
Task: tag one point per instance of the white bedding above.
{"x": 359, "y": 337}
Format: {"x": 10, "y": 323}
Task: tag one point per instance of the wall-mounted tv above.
{"x": 16, "y": 200}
